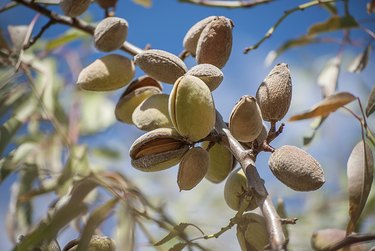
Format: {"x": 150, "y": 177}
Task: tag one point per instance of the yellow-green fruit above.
{"x": 161, "y": 65}
{"x": 108, "y": 73}
{"x": 275, "y": 93}
{"x": 322, "y": 239}
{"x": 245, "y": 122}
{"x": 74, "y": 8}
{"x": 221, "y": 162}
{"x": 105, "y": 4}
{"x": 296, "y": 168}
{"x": 215, "y": 42}
{"x": 157, "y": 150}
{"x": 191, "y": 38}
{"x": 110, "y": 34}
{"x": 191, "y": 108}
{"x": 138, "y": 90}
{"x": 236, "y": 189}
{"x": 256, "y": 233}
{"x": 209, "y": 73}
{"x": 193, "y": 168}
{"x": 152, "y": 113}
{"x": 98, "y": 243}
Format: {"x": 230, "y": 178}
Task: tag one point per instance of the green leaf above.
{"x": 328, "y": 78}
{"x": 361, "y": 61}
{"x": 178, "y": 247}
{"x": 315, "y": 125}
{"x": 106, "y": 152}
{"x": 7, "y": 132}
{"x": 300, "y": 41}
{"x": 177, "y": 231}
{"x": 333, "y": 24}
{"x": 326, "y": 106}
{"x": 18, "y": 36}
{"x": 95, "y": 219}
{"x": 144, "y": 3}
{"x": 67, "y": 37}
{"x": 371, "y": 102}
{"x": 125, "y": 228}
{"x": 360, "y": 174}
{"x": 330, "y": 7}
{"x": 66, "y": 209}
{"x": 48, "y": 1}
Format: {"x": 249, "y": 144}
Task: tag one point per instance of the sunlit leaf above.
{"x": 67, "y": 37}
{"x": 332, "y": 24}
{"x": 360, "y": 175}
{"x": 106, "y": 152}
{"x": 178, "y": 247}
{"x": 125, "y": 234}
{"x": 144, "y": 3}
{"x": 67, "y": 208}
{"x": 96, "y": 113}
{"x": 18, "y": 35}
{"x": 371, "y": 7}
{"x": 177, "y": 231}
{"x": 95, "y": 219}
{"x": 371, "y": 102}
{"x": 315, "y": 125}
{"x": 304, "y": 40}
{"x": 327, "y": 79}
{"x": 326, "y": 106}
{"x": 361, "y": 61}
{"x": 48, "y": 1}
{"x": 7, "y": 132}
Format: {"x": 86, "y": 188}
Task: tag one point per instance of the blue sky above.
{"x": 163, "y": 26}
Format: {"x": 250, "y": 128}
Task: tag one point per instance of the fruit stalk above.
{"x": 246, "y": 159}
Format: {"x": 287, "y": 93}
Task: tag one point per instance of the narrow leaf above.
{"x": 144, "y": 3}
{"x": 371, "y": 7}
{"x": 361, "y": 61}
{"x": 326, "y": 106}
{"x": 315, "y": 125}
{"x": 67, "y": 37}
{"x": 177, "y": 230}
{"x": 371, "y": 103}
{"x": 332, "y": 24}
{"x": 3, "y": 42}
{"x": 327, "y": 79}
{"x": 48, "y": 1}
{"x": 330, "y": 7}
{"x": 95, "y": 219}
{"x": 360, "y": 174}
{"x": 178, "y": 247}
{"x": 301, "y": 41}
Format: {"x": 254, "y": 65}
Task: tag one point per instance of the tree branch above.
{"x": 8, "y": 6}
{"x": 227, "y": 4}
{"x": 350, "y": 240}
{"x": 39, "y": 35}
{"x": 255, "y": 183}
{"x": 281, "y": 19}
{"x": 73, "y": 22}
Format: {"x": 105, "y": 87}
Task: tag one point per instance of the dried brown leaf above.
{"x": 361, "y": 61}
{"x": 360, "y": 173}
{"x": 371, "y": 7}
{"x": 326, "y": 106}
{"x": 327, "y": 79}
{"x": 371, "y": 103}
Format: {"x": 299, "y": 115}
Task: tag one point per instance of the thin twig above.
{"x": 350, "y": 240}
{"x": 227, "y": 4}
{"x": 74, "y": 22}
{"x": 39, "y": 35}
{"x": 281, "y": 19}
{"x": 255, "y": 183}
{"x": 8, "y": 6}
{"x": 288, "y": 221}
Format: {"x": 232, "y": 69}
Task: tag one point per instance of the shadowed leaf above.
{"x": 177, "y": 231}
{"x": 327, "y": 79}
{"x": 315, "y": 125}
{"x": 371, "y": 103}
{"x": 178, "y": 247}
{"x": 332, "y": 24}
{"x": 360, "y": 174}
{"x": 304, "y": 40}
{"x": 361, "y": 61}
{"x": 95, "y": 219}
{"x": 330, "y": 7}
{"x": 326, "y": 106}
{"x": 370, "y": 7}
